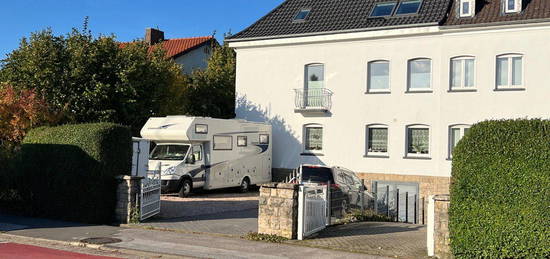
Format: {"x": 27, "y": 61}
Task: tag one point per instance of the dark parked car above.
{"x": 346, "y": 188}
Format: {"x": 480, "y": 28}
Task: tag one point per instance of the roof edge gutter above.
{"x": 331, "y": 32}
{"x": 494, "y": 24}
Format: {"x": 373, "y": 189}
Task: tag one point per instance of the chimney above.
{"x": 153, "y": 36}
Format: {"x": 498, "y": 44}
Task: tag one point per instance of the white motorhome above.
{"x": 197, "y": 152}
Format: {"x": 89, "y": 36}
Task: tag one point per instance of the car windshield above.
{"x": 169, "y": 152}
{"x": 317, "y": 174}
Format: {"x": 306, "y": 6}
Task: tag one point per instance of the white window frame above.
{"x": 306, "y": 70}
{"x": 463, "y": 74}
{"x": 517, "y": 6}
{"x": 376, "y": 154}
{"x": 416, "y": 155}
{"x": 462, "y": 128}
{"x": 409, "y": 73}
{"x": 304, "y": 140}
{"x": 471, "y": 4}
{"x": 510, "y": 84}
{"x": 369, "y": 89}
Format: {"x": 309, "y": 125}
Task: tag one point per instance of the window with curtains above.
{"x": 377, "y": 140}
{"x": 509, "y": 71}
{"x": 378, "y": 78}
{"x": 419, "y": 74}
{"x": 313, "y": 137}
{"x": 462, "y": 73}
{"x": 456, "y": 132}
{"x": 418, "y": 141}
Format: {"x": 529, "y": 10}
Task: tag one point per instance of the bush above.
{"x": 500, "y": 191}
{"x": 68, "y": 172}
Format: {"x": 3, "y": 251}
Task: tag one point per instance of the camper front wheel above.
{"x": 186, "y": 186}
{"x": 245, "y": 185}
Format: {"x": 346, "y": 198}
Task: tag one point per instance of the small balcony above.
{"x": 313, "y": 100}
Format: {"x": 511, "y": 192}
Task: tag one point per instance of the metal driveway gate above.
{"x": 397, "y": 200}
{"x": 313, "y": 214}
{"x": 150, "y": 195}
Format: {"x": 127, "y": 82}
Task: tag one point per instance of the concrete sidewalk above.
{"x": 163, "y": 242}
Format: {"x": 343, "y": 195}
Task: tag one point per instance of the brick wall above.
{"x": 278, "y": 210}
{"x": 428, "y": 185}
{"x": 128, "y": 190}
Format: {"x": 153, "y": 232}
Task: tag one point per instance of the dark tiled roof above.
{"x": 337, "y": 15}
{"x": 332, "y": 16}
{"x": 490, "y": 11}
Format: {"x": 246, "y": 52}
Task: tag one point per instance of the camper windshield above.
{"x": 169, "y": 152}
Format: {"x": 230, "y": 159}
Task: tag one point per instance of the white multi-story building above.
{"x": 386, "y": 88}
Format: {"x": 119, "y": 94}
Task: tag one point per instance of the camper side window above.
{"x": 197, "y": 152}
{"x": 264, "y": 139}
{"x": 201, "y": 128}
{"x": 241, "y": 141}
{"x": 223, "y": 142}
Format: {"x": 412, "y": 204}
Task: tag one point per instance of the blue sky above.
{"x": 128, "y": 19}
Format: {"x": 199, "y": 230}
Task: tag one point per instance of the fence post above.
{"x": 415, "y": 209}
{"x": 388, "y": 200}
{"x": 406, "y": 207}
{"x": 328, "y": 204}
{"x": 397, "y": 205}
{"x": 376, "y": 202}
{"x": 301, "y": 212}
{"x": 431, "y": 226}
{"x": 362, "y": 190}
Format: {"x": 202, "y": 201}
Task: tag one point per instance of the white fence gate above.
{"x": 150, "y": 195}
{"x": 313, "y": 209}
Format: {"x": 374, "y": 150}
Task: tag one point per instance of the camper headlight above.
{"x": 169, "y": 171}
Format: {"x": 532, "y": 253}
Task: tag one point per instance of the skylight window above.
{"x": 408, "y": 7}
{"x": 302, "y": 15}
{"x": 383, "y": 9}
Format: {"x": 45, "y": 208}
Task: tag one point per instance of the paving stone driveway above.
{"x": 396, "y": 240}
{"x": 221, "y": 212}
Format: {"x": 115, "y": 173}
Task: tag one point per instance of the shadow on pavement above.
{"x": 11, "y": 223}
{"x": 368, "y": 228}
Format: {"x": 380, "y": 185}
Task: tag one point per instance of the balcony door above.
{"x": 314, "y": 85}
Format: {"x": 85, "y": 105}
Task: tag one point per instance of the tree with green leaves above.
{"x": 94, "y": 79}
{"x": 211, "y": 92}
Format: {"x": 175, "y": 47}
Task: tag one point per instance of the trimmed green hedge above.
{"x": 68, "y": 172}
{"x": 500, "y": 191}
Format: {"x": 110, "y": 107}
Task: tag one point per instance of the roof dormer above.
{"x": 466, "y": 8}
{"x": 512, "y": 6}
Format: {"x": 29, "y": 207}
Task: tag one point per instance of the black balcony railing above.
{"x": 313, "y": 99}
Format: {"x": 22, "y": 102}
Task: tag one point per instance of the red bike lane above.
{"x": 19, "y": 251}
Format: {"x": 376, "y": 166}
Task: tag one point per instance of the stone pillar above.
{"x": 439, "y": 244}
{"x": 278, "y": 210}
{"x": 128, "y": 190}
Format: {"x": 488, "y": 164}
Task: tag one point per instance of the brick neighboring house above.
{"x": 387, "y": 88}
{"x": 191, "y": 53}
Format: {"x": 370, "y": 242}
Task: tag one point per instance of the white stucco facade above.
{"x": 195, "y": 59}
{"x": 269, "y": 70}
